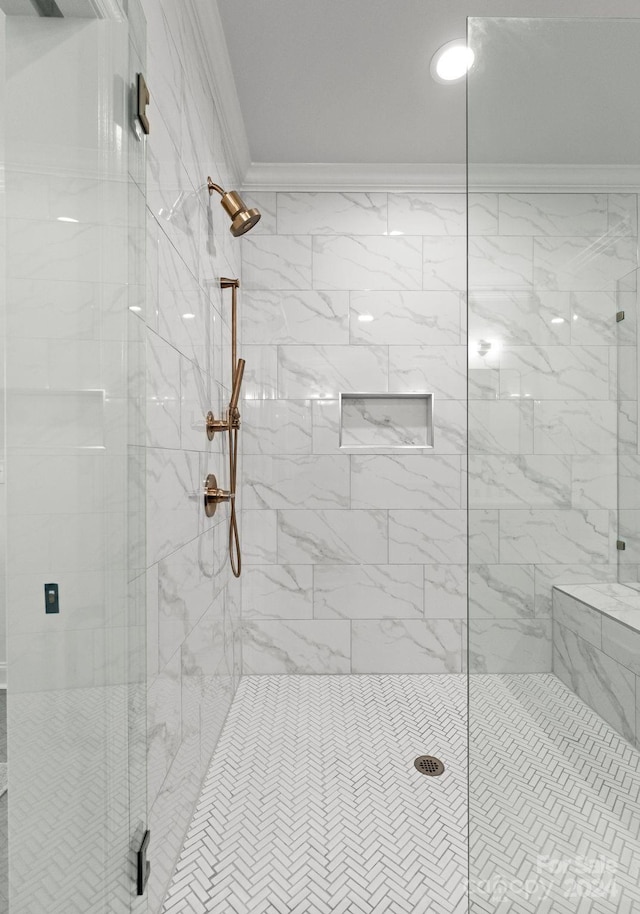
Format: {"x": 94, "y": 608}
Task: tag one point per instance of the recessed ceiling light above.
{"x": 450, "y": 62}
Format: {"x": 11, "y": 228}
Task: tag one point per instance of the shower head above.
{"x": 242, "y": 218}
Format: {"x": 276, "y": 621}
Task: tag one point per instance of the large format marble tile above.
{"x": 625, "y": 383}
{"x": 547, "y": 576}
{"x": 66, "y": 251}
{"x": 501, "y": 591}
{"x": 623, "y": 214}
{"x": 594, "y": 482}
{"x": 593, "y": 318}
{"x": 501, "y": 427}
{"x": 164, "y": 721}
{"x": 330, "y": 213}
{"x": 621, "y": 642}
{"x": 429, "y": 536}
{"x": 484, "y": 536}
{"x": 627, "y": 427}
{"x": 519, "y": 317}
{"x": 394, "y": 646}
{"x": 483, "y": 213}
{"x": 509, "y": 646}
{"x": 65, "y": 310}
{"x": 277, "y": 592}
{"x": 276, "y": 427}
{"x": 579, "y": 618}
{"x": 173, "y": 500}
{"x": 405, "y": 318}
{"x": 500, "y": 263}
{"x": 368, "y": 592}
{"x": 405, "y": 482}
{"x": 483, "y": 383}
{"x": 576, "y": 264}
{"x": 332, "y": 537}
{"x": 552, "y": 536}
{"x": 325, "y": 416}
{"x": 515, "y": 481}
{"x": 450, "y": 428}
{"x": 574, "y": 427}
{"x": 555, "y": 372}
{"x": 299, "y": 481}
{"x": 276, "y": 262}
{"x": 296, "y": 647}
{"x": 367, "y": 262}
{"x": 427, "y": 214}
{"x": 444, "y": 263}
{"x": 439, "y": 370}
{"x": 187, "y": 583}
{"x": 553, "y": 214}
{"x": 259, "y": 537}
{"x": 299, "y": 317}
{"x": 322, "y": 372}
{"x": 629, "y": 480}
{"x": 605, "y": 685}
{"x": 260, "y": 380}
{"x": 198, "y": 394}
{"x": 445, "y": 591}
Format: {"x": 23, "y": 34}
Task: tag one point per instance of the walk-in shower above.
{"x": 400, "y": 400}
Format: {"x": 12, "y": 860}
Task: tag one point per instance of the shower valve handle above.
{"x": 213, "y": 496}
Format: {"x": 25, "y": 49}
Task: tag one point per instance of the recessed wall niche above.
{"x": 386, "y": 421}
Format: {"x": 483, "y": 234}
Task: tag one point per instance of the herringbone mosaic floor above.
{"x": 312, "y": 804}
{"x": 555, "y": 803}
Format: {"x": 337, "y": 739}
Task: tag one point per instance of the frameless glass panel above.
{"x": 554, "y": 644}
{"x": 74, "y": 484}
{"x": 628, "y": 540}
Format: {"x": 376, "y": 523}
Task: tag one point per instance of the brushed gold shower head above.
{"x": 242, "y": 217}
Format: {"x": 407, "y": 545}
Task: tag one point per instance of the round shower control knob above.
{"x": 213, "y": 495}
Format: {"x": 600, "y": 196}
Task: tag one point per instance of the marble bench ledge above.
{"x": 596, "y": 650}
{"x": 619, "y": 602}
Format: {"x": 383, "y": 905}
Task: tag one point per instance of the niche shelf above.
{"x": 386, "y": 421}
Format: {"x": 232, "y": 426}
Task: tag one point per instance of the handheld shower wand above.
{"x": 235, "y": 554}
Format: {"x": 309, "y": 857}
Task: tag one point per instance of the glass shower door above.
{"x": 553, "y": 179}
{"x": 73, "y": 477}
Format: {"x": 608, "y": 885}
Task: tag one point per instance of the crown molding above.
{"x": 320, "y": 176}
{"x": 441, "y": 178}
{"x": 508, "y": 178}
{"x": 222, "y": 85}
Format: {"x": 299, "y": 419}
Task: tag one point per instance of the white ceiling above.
{"x": 347, "y": 81}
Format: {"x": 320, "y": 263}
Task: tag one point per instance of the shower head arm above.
{"x": 213, "y": 186}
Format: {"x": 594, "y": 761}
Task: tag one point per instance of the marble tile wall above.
{"x": 355, "y": 559}
{"x": 543, "y": 384}
{"x": 357, "y": 292}
{"x": 194, "y": 651}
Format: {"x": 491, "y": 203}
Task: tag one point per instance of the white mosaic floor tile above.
{"x": 312, "y": 804}
{"x": 555, "y": 803}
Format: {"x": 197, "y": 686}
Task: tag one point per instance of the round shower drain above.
{"x": 429, "y": 764}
